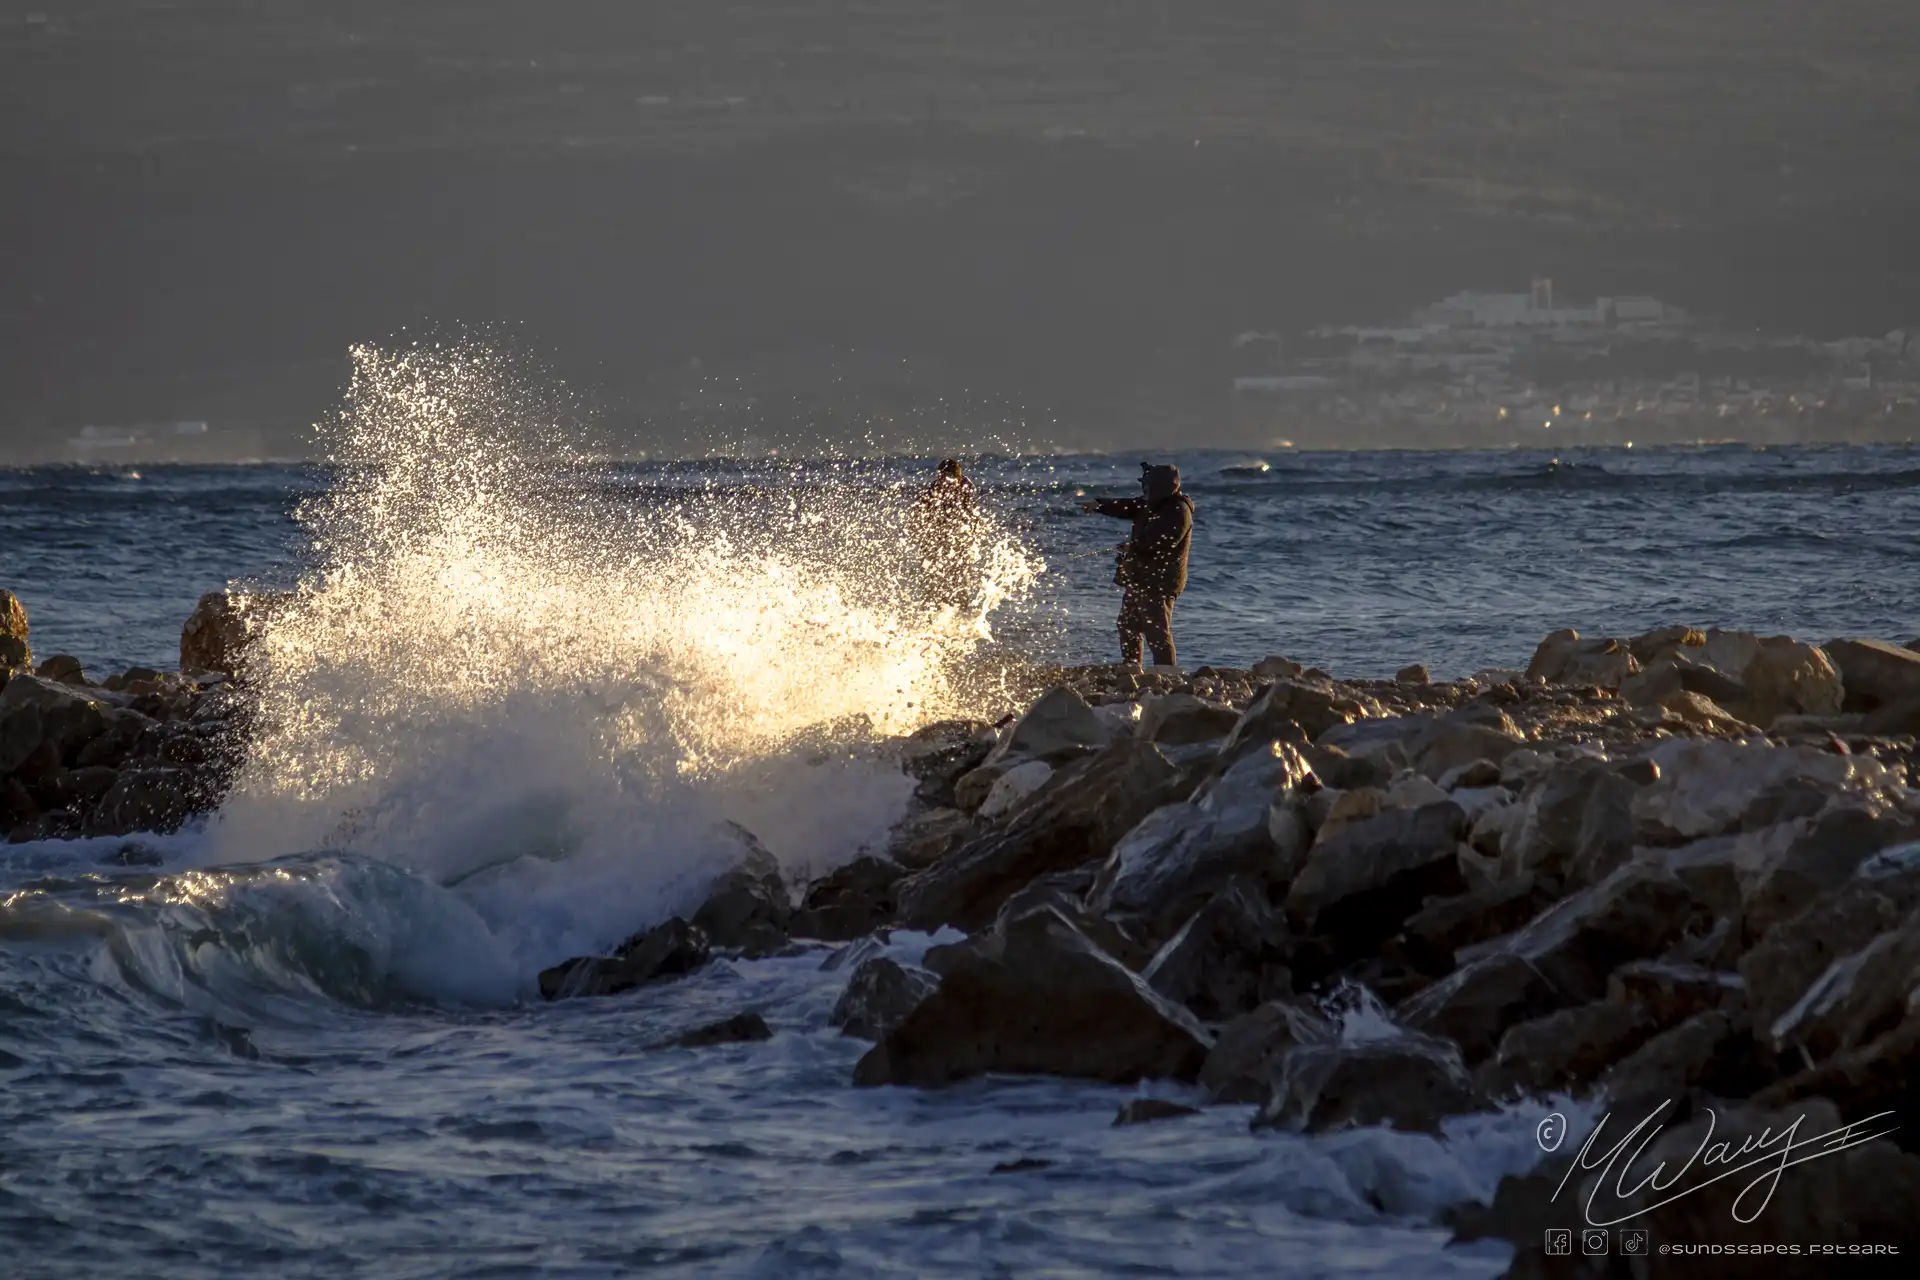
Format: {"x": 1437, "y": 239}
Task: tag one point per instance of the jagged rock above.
{"x": 1147, "y": 1110}
{"x": 1665, "y": 641}
{"x": 144, "y": 800}
{"x": 1181, "y": 853}
{"x": 1241, "y": 1065}
{"x": 1674, "y": 674}
{"x": 1339, "y": 771}
{"x": 62, "y": 668}
{"x": 1058, "y": 726}
{"x": 1475, "y": 1004}
{"x": 81, "y": 789}
{"x": 879, "y": 995}
{"x": 1875, "y": 673}
{"x": 672, "y": 950}
{"x": 1414, "y": 674}
{"x": 117, "y": 743}
{"x": 849, "y": 902}
{"x": 17, "y": 805}
{"x": 1075, "y": 819}
{"x": 1787, "y": 677}
{"x": 1459, "y": 745}
{"x": 1604, "y": 838}
{"x": 1329, "y": 810}
{"x": 748, "y": 907}
{"x": 1565, "y": 1050}
{"x": 923, "y": 839}
{"x": 1180, "y": 719}
{"x": 1410, "y": 1082}
{"x": 1782, "y": 964}
{"x": 1822, "y": 855}
{"x": 971, "y": 789}
{"x": 1361, "y": 884}
{"x": 222, "y": 627}
{"x": 1013, "y": 786}
{"x": 36, "y": 712}
{"x": 1444, "y": 925}
{"x": 741, "y": 1028}
{"x": 1693, "y": 711}
{"x": 1576, "y": 819}
{"x": 1065, "y": 892}
{"x": 1671, "y": 993}
{"x": 1230, "y": 956}
{"x": 1859, "y": 998}
{"x": 1037, "y": 997}
{"x": 1289, "y": 711}
{"x": 1713, "y": 1052}
{"x": 15, "y": 651}
{"x": 1877, "y": 1077}
{"x": 938, "y": 754}
{"x": 1565, "y": 658}
{"x": 1411, "y": 790}
{"x": 1475, "y": 775}
{"x": 1275, "y": 667}
{"x": 1707, "y": 787}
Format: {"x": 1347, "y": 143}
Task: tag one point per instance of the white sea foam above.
{"x": 546, "y": 693}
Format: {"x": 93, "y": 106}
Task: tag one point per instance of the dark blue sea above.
{"x": 302, "y": 1038}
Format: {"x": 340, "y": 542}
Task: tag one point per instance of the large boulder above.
{"x": 37, "y": 713}
{"x": 1058, "y": 726}
{"x": 879, "y": 995}
{"x": 848, "y": 902}
{"x": 747, "y": 907}
{"x": 1475, "y": 1004}
{"x": 1180, "y": 719}
{"x": 222, "y": 627}
{"x": 1013, "y": 786}
{"x": 1410, "y": 1082}
{"x": 155, "y": 799}
{"x": 1565, "y": 1051}
{"x": 1179, "y": 854}
{"x": 1859, "y": 998}
{"x": 1565, "y": 658}
{"x": 1361, "y": 884}
{"x": 1290, "y": 711}
{"x": 1230, "y": 956}
{"x": 1821, "y": 854}
{"x": 672, "y": 950}
{"x": 1075, "y": 819}
{"x": 1875, "y": 673}
{"x": 1440, "y": 928}
{"x": 15, "y": 652}
{"x": 922, "y": 839}
{"x": 1243, "y": 1061}
{"x": 1707, "y": 787}
{"x": 1788, "y": 677}
{"x": 1036, "y": 997}
{"x": 1457, "y": 745}
{"x": 937, "y": 755}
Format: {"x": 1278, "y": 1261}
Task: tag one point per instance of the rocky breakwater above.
{"x": 1679, "y": 868}
{"x": 139, "y": 750}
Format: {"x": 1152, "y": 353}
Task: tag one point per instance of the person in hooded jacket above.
{"x": 942, "y": 525}
{"x": 1152, "y": 565}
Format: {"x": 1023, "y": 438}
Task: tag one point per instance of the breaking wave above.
{"x": 520, "y": 686}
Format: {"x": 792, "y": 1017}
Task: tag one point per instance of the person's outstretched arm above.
{"x": 1120, "y": 508}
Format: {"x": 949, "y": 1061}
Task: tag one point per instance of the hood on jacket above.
{"x": 1159, "y": 482}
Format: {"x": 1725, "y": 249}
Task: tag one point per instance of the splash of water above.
{"x": 516, "y": 673}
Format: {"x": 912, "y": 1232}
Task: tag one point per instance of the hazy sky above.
{"x": 987, "y": 211}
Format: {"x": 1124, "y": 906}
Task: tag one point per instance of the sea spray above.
{"x": 523, "y": 680}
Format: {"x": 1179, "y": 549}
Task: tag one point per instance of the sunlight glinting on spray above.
{"x": 495, "y": 623}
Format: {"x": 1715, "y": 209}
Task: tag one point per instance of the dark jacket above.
{"x": 1154, "y": 560}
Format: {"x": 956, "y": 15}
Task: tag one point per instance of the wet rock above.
{"x": 1147, "y": 1110}
{"x": 1241, "y": 1065}
{"x": 1410, "y": 1082}
{"x": 15, "y": 651}
{"x": 144, "y": 800}
{"x": 748, "y": 907}
{"x": 62, "y": 668}
{"x": 37, "y": 712}
{"x": 1058, "y": 726}
{"x": 1361, "y": 884}
{"x": 117, "y": 743}
{"x": 1875, "y": 673}
{"x": 849, "y": 902}
{"x": 1181, "y": 720}
{"x": 924, "y": 838}
{"x": 1712, "y": 1052}
{"x": 1566, "y": 1050}
{"x": 1414, "y": 674}
{"x": 1671, "y": 993}
{"x": 1180, "y": 854}
{"x": 1065, "y": 892}
{"x": 1444, "y": 925}
{"x": 1037, "y": 997}
{"x": 1788, "y": 677}
{"x": 1565, "y": 658}
{"x": 1475, "y": 1004}
{"x": 878, "y": 997}
{"x": 672, "y": 950}
{"x": 1289, "y": 711}
{"x": 17, "y": 805}
{"x": 1229, "y": 957}
{"x": 1075, "y": 819}
{"x": 222, "y": 627}
{"x": 1013, "y": 786}
{"x": 1822, "y": 856}
{"x": 940, "y": 753}
{"x": 81, "y": 789}
{"x": 971, "y": 789}
{"x": 741, "y": 1028}
{"x": 1785, "y": 962}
